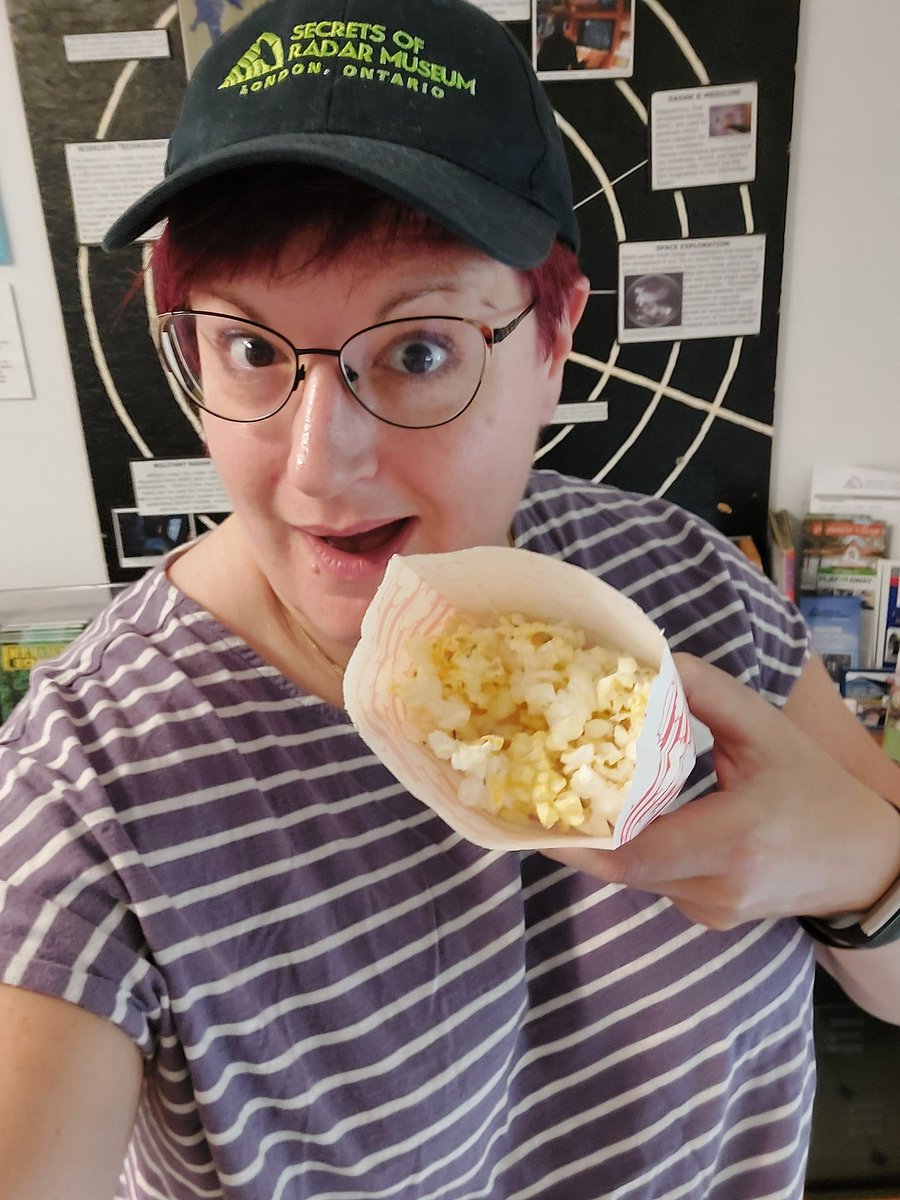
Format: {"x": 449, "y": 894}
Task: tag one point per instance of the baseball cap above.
{"x": 431, "y": 101}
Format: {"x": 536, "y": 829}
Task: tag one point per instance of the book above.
{"x": 887, "y": 616}
{"x": 783, "y": 538}
{"x": 841, "y": 555}
{"x": 21, "y": 649}
{"x": 37, "y": 624}
{"x": 834, "y": 629}
{"x": 891, "y": 742}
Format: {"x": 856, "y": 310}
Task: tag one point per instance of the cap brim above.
{"x": 506, "y": 227}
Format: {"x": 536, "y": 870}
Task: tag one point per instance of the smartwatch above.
{"x": 877, "y": 927}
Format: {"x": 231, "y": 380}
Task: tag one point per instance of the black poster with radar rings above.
{"x": 676, "y": 116}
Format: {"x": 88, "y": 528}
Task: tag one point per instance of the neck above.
{"x": 219, "y": 573}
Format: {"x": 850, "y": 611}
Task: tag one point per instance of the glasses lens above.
{"x": 415, "y": 373}
{"x": 231, "y": 368}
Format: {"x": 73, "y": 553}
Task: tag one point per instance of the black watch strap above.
{"x": 877, "y": 927}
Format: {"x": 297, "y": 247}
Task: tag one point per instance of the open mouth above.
{"x": 370, "y": 540}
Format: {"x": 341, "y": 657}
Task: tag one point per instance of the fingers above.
{"x": 730, "y": 709}
{"x": 698, "y": 841}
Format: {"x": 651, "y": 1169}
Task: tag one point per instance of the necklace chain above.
{"x": 323, "y": 657}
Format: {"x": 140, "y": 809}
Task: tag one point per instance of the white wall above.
{"x": 49, "y": 533}
{"x": 839, "y": 363}
{"x": 838, "y": 382}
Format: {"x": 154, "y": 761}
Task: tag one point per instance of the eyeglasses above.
{"x": 414, "y": 372}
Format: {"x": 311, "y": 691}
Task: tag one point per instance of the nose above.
{"x": 334, "y": 441}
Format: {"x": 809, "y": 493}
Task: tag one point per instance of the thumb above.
{"x": 731, "y": 710}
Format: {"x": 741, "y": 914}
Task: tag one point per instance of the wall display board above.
{"x": 680, "y": 169}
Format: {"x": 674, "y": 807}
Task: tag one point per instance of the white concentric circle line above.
{"x": 100, "y": 362}
{"x": 648, "y": 412}
{"x": 150, "y": 302}
{"x": 84, "y": 283}
{"x": 680, "y": 39}
{"x": 714, "y": 412}
{"x": 594, "y": 163}
{"x": 673, "y": 393}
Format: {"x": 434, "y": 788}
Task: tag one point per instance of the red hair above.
{"x": 219, "y": 226}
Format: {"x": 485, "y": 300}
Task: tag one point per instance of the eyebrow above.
{"x": 450, "y": 284}
{"x": 431, "y": 287}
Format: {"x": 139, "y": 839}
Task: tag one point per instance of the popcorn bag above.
{"x": 420, "y": 596}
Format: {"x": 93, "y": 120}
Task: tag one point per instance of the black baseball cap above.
{"x": 431, "y": 101}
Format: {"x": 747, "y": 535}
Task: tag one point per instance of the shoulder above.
{"x": 708, "y": 598}
{"x": 624, "y": 536}
{"x": 145, "y": 685}
{"x": 122, "y": 648}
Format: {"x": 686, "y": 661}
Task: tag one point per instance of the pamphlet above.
{"x": 834, "y": 629}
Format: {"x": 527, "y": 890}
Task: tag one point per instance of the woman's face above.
{"x": 326, "y": 493}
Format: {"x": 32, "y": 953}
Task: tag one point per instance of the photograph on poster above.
{"x": 703, "y": 136}
{"x": 653, "y": 300}
{"x": 729, "y": 120}
{"x": 583, "y": 39}
{"x": 690, "y": 288}
{"x": 142, "y": 540}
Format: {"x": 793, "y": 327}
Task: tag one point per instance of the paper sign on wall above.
{"x": 15, "y": 381}
{"x": 106, "y": 177}
{"x": 690, "y": 288}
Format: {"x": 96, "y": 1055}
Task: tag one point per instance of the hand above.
{"x": 788, "y": 832}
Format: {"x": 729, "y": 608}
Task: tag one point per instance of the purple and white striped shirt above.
{"x": 340, "y": 999}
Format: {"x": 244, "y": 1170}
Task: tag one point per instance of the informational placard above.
{"x": 174, "y": 485}
{"x": 142, "y": 540}
{"x": 692, "y": 288}
{"x": 105, "y": 47}
{"x": 580, "y": 413}
{"x": 106, "y": 177}
{"x": 506, "y": 10}
{"x": 15, "y": 381}
{"x": 702, "y": 136}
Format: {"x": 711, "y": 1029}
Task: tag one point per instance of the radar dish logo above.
{"x": 256, "y": 62}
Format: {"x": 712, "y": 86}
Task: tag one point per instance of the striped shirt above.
{"x": 340, "y": 999}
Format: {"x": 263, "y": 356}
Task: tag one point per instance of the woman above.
{"x": 236, "y": 954}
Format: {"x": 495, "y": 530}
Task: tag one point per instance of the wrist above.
{"x": 875, "y": 925}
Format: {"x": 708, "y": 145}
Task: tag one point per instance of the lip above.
{"x": 354, "y": 567}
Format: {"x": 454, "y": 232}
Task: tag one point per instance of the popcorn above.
{"x": 540, "y": 726}
{"x": 565, "y": 752}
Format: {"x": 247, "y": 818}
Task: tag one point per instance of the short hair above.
{"x": 220, "y": 225}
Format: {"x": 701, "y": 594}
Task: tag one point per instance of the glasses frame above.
{"x": 164, "y": 348}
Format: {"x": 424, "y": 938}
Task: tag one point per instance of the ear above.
{"x": 555, "y": 363}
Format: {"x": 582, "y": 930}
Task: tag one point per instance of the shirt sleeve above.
{"x": 68, "y": 926}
